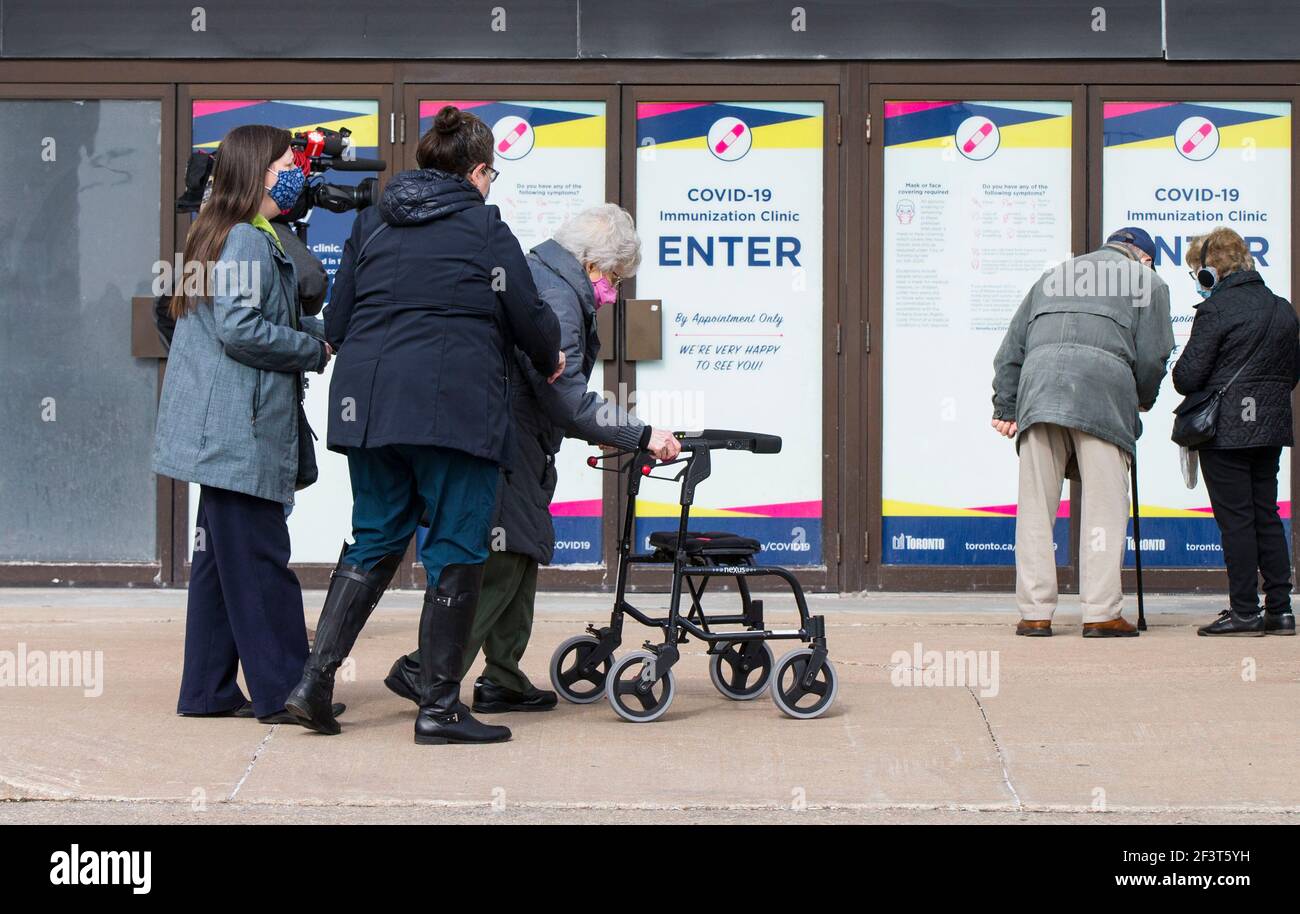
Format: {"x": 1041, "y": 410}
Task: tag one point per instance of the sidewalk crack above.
{"x": 1002, "y": 759}
{"x": 257, "y": 753}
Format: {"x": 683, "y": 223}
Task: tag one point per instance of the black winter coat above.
{"x": 1256, "y": 409}
{"x": 426, "y": 319}
{"x": 545, "y": 414}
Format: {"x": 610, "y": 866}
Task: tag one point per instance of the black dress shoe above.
{"x": 458, "y": 726}
{"x": 1230, "y": 622}
{"x": 1279, "y": 623}
{"x": 287, "y": 717}
{"x": 490, "y": 698}
{"x": 244, "y": 710}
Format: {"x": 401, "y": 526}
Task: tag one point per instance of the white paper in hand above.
{"x": 1189, "y": 461}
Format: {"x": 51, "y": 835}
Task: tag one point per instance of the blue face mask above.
{"x": 288, "y": 185}
{"x": 1204, "y": 293}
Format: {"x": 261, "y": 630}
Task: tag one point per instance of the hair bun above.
{"x": 448, "y": 121}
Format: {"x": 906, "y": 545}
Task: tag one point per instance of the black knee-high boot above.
{"x": 352, "y": 596}
{"x": 444, "y": 628}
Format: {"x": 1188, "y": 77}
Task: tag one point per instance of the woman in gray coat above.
{"x": 228, "y": 421}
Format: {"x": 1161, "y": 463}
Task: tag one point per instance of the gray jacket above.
{"x": 1087, "y": 348}
{"x": 229, "y": 411}
{"x": 544, "y": 414}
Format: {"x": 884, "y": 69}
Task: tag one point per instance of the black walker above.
{"x": 640, "y": 685}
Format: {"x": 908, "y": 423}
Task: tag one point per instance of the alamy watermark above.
{"x": 1085, "y": 277}
{"x": 25, "y": 668}
{"x": 950, "y": 669}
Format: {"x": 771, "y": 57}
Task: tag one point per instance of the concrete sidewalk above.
{"x": 1167, "y": 727}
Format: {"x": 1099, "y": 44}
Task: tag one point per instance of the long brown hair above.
{"x": 238, "y": 187}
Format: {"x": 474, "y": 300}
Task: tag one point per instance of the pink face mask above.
{"x": 605, "y": 292}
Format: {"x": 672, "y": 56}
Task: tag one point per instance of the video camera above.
{"x": 315, "y": 152}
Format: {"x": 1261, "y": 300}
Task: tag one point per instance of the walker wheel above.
{"x": 788, "y": 691}
{"x": 570, "y": 680}
{"x": 742, "y": 670}
{"x": 636, "y": 692}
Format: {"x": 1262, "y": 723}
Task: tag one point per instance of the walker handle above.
{"x": 721, "y": 439}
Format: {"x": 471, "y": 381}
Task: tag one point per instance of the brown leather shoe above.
{"x": 1035, "y": 628}
{"x": 1115, "y": 628}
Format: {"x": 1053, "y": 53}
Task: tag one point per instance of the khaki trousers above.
{"x": 1045, "y": 451}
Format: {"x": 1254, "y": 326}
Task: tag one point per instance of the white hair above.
{"x": 605, "y": 236}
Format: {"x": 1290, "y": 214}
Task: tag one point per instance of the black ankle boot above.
{"x": 444, "y": 628}
{"x": 352, "y": 596}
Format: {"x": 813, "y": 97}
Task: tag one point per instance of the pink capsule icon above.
{"x": 512, "y": 137}
{"x": 731, "y": 136}
{"x": 977, "y": 137}
{"x": 1198, "y": 137}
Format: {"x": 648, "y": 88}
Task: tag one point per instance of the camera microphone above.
{"x": 358, "y": 165}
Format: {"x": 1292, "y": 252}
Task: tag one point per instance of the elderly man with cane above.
{"x": 1085, "y": 352}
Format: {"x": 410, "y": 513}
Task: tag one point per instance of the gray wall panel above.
{"x": 1244, "y": 30}
{"x": 290, "y": 28}
{"x": 875, "y": 29}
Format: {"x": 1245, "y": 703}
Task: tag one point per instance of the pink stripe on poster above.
{"x": 895, "y": 109}
{"x": 587, "y": 507}
{"x": 1119, "y": 109}
{"x": 433, "y": 106}
{"x": 655, "y": 109}
{"x": 201, "y": 108}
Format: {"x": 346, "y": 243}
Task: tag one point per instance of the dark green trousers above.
{"x": 503, "y": 622}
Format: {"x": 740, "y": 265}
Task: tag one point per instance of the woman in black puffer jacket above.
{"x": 430, "y": 301}
{"x": 1240, "y": 464}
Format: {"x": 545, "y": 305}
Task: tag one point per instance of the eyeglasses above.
{"x": 492, "y": 173}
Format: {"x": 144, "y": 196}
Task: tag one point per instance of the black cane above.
{"x": 1137, "y": 542}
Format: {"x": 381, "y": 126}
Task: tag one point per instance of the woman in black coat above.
{"x": 1240, "y": 464}
{"x": 431, "y": 299}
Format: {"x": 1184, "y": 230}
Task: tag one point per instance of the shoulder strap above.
{"x": 369, "y": 238}
{"x": 1255, "y": 348}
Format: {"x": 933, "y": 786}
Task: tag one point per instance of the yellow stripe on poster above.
{"x": 1049, "y": 133}
{"x": 673, "y": 509}
{"x": 1274, "y": 133}
{"x": 583, "y": 132}
{"x": 1160, "y": 511}
{"x": 804, "y": 133}
{"x": 893, "y": 508}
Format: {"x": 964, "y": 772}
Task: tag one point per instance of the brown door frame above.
{"x": 115, "y": 573}
{"x": 311, "y": 574}
{"x": 880, "y": 576}
{"x": 828, "y": 576}
{"x": 550, "y": 577}
{"x": 1189, "y": 579}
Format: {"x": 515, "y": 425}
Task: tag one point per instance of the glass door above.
{"x": 735, "y": 194}
{"x": 83, "y": 234}
{"x": 973, "y": 194}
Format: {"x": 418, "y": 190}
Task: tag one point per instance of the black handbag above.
{"x": 1196, "y": 419}
{"x": 308, "y": 472}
